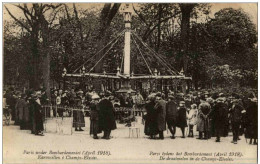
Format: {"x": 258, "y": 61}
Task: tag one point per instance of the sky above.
{"x": 250, "y": 8}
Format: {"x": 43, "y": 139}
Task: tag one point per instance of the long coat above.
{"x": 78, "y": 115}
{"x": 235, "y": 113}
{"x": 251, "y": 120}
{"x": 106, "y": 118}
{"x": 37, "y": 118}
{"x": 94, "y": 118}
{"x": 171, "y": 112}
{"x": 23, "y": 111}
{"x": 150, "y": 127}
{"x": 203, "y": 117}
{"x": 219, "y": 117}
{"x": 182, "y": 115}
{"x": 160, "y": 108}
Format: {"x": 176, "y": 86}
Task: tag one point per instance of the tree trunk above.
{"x": 186, "y": 10}
{"x": 46, "y": 57}
{"x": 34, "y": 82}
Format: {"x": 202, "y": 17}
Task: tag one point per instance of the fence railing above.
{"x": 51, "y": 111}
{"x": 59, "y": 119}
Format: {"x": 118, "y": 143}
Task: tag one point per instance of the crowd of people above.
{"x": 213, "y": 114}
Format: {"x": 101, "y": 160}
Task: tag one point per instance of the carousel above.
{"x": 157, "y": 75}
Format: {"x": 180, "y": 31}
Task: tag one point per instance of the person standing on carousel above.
{"x": 94, "y": 116}
{"x": 78, "y": 114}
{"x": 107, "y": 120}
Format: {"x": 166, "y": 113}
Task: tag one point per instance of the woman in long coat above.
{"x": 182, "y": 118}
{"x": 171, "y": 115}
{"x": 107, "y": 120}
{"x": 219, "y": 118}
{"x": 251, "y": 121}
{"x": 78, "y": 115}
{"x": 22, "y": 107}
{"x": 94, "y": 116}
{"x": 37, "y": 115}
{"x": 160, "y": 108}
{"x": 203, "y": 120}
{"x": 150, "y": 127}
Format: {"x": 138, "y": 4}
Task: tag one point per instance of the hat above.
{"x": 221, "y": 95}
{"x": 194, "y": 106}
{"x": 80, "y": 92}
{"x": 209, "y": 100}
{"x": 95, "y": 96}
{"x": 158, "y": 94}
{"x": 151, "y": 96}
{"x": 66, "y": 91}
{"x": 254, "y": 99}
{"x": 38, "y": 93}
{"x": 182, "y": 102}
{"x": 170, "y": 96}
{"x": 220, "y": 99}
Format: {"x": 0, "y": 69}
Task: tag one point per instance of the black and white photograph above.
{"x": 129, "y": 82}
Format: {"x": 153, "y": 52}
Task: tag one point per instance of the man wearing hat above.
{"x": 94, "y": 116}
{"x": 78, "y": 115}
{"x": 219, "y": 117}
{"x": 160, "y": 108}
{"x": 23, "y": 112}
{"x": 171, "y": 115}
{"x": 37, "y": 111}
{"x": 252, "y": 121}
{"x": 181, "y": 120}
{"x": 236, "y": 117}
{"x": 203, "y": 119}
{"x": 107, "y": 120}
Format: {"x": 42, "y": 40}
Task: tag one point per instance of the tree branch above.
{"x": 140, "y": 16}
{"x": 113, "y": 12}
{"x": 18, "y": 21}
{"x": 67, "y": 12}
{"x": 53, "y": 18}
{"x": 150, "y": 30}
{"x": 50, "y": 6}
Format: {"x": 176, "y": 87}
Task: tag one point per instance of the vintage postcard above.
{"x": 130, "y": 82}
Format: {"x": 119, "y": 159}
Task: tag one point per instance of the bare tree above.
{"x": 37, "y": 26}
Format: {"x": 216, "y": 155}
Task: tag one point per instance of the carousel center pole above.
{"x": 127, "y": 55}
